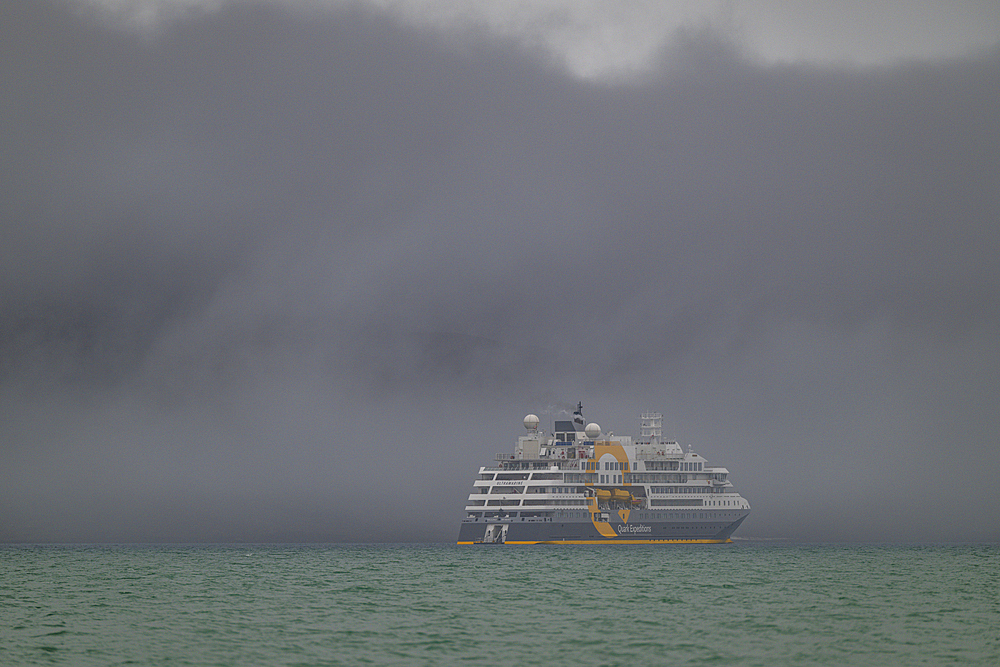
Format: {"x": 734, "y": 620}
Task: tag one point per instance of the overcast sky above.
{"x": 293, "y": 270}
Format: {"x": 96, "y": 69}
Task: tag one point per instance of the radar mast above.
{"x": 651, "y": 427}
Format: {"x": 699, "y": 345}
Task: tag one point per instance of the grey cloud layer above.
{"x": 260, "y": 250}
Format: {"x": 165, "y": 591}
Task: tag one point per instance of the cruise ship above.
{"x": 577, "y": 486}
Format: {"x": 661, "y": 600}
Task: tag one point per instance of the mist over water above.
{"x": 280, "y": 271}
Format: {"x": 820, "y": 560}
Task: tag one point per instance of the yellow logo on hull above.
{"x": 604, "y": 527}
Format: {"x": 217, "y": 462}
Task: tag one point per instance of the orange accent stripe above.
{"x": 519, "y": 542}
{"x": 621, "y": 542}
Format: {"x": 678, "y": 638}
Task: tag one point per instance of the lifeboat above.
{"x": 621, "y": 495}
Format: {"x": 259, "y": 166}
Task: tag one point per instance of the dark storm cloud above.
{"x": 276, "y": 274}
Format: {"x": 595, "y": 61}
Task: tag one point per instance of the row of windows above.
{"x": 662, "y": 514}
{"x": 579, "y": 501}
{"x": 515, "y": 502}
{"x": 680, "y": 489}
{"x": 657, "y": 515}
{"x": 593, "y": 466}
{"x": 505, "y": 513}
{"x": 508, "y": 476}
{"x": 608, "y": 465}
{"x": 687, "y": 466}
{"x": 651, "y": 477}
{"x": 662, "y": 465}
{"x": 511, "y": 490}
{"x": 653, "y": 502}
{"x": 525, "y": 465}
{"x": 601, "y": 479}
{"x": 676, "y": 501}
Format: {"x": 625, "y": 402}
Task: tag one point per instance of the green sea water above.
{"x": 747, "y": 603}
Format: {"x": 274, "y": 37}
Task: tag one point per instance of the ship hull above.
{"x": 683, "y": 528}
